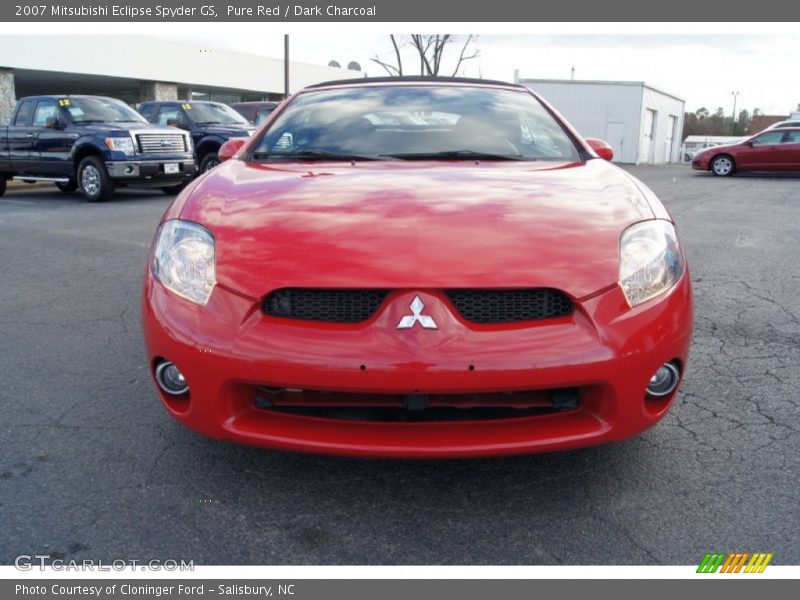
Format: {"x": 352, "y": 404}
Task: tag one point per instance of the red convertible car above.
{"x": 771, "y": 150}
{"x": 417, "y": 268}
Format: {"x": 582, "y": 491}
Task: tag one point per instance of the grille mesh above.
{"x": 335, "y": 306}
{"x": 509, "y": 306}
{"x": 475, "y": 305}
{"x": 161, "y": 143}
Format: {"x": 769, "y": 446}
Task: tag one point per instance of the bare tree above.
{"x": 395, "y": 70}
{"x": 432, "y": 51}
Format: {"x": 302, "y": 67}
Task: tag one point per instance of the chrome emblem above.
{"x": 416, "y": 316}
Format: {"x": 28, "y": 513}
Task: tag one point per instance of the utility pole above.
{"x": 733, "y": 116}
{"x": 286, "y": 66}
{"x": 572, "y": 76}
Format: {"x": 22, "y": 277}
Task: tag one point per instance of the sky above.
{"x": 704, "y": 70}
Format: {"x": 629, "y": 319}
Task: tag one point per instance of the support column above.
{"x": 158, "y": 90}
{"x": 8, "y": 95}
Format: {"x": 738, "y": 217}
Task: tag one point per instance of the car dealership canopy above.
{"x": 137, "y": 68}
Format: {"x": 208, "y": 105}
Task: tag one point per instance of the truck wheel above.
{"x": 209, "y": 161}
{"x": 95, "y": 183}
{"x": 2, "y": 186}
{"x": 68, "y": 187}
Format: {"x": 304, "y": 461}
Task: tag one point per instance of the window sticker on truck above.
{"x": 64, "y": 102}
{"x": 186, "y": 106}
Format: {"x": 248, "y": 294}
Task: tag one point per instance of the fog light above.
{"x": 170, "y": 379}
{"x": 664, "y": 380}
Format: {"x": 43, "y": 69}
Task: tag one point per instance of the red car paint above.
{"x": 417, "y": 228}
{"x": 770, "y": 150}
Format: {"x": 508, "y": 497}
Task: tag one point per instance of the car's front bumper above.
{"x": 700, "y": 164}
{"x": 151, "y": 169}
{"x": 229, "y": 347}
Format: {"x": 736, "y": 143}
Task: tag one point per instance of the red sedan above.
{"x": 771, "y": 150}
{"x": 417, "y": 268}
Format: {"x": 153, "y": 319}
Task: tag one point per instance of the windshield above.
{"x": 416, "y": 123}
{"x": 100, "y": 110}
{"x": 214, "y": 113}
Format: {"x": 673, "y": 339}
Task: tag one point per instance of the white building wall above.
{"x": 146, "y": 58}
{"x": 616, "y": 111}
{"x": 665, "y": 106}
{"x": 609, "y": 111}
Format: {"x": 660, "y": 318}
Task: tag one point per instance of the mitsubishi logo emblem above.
{"x": 416, "y": 316}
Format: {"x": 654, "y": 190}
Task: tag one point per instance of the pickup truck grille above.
{"x": 161, "y": 143}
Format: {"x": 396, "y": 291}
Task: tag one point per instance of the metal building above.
{"x": 643, "y": 124}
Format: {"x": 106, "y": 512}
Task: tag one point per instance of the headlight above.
{"x": 120, "y": 144}
{"x": 650, "y": 260}
{"x": 183, "y": 260}
{"x": 189, "y": 143}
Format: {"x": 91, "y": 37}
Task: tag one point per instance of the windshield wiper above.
{"x": 315, "y": 154}
{"x": 457, "y": 154}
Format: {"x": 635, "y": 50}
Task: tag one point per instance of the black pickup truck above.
{"x": 94, "y": 144}
{"x": 211, "y": 124}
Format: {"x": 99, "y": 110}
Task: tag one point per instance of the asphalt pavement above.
{"x": 91, "y": 465}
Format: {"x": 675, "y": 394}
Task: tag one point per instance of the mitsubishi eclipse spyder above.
{"x": 417, "y": 267}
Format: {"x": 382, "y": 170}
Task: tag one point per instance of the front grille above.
{"x": 509, "y": 306}
{"x": 475, "y": 305}
{"x": 333, "y": 306}
{"x": 161, "y": 143}
{"x": 362, "y": 406}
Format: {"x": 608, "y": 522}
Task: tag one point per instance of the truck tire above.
{"x": 2, "y": 186}
{"x": 95, "y": 183}
{"x": 68, "y": 187}
{"x": 208, "y": 162}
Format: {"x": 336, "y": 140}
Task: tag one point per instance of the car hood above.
{"x": 716, "y": 149}
{"x": 103, "y": 127}
{"x": 417, "y": 225}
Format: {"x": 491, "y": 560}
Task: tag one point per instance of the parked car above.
{"x": 770, "y": 150}
{"x": 255, "y": 112}
{"x": 92, "y": 143}
{"x": 492, "y": 287}
{"x": 210, "y": 124}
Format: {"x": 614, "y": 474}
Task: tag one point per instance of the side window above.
{"x": 771, "y": 137}
{"x": 24, "y": 114}
{"x": 148, "y": 111}
{"x": 169, "y": 113}
{"x": 262, "y": 114}
{"x": 793, "y": 137}
{"x": 45, "y": 110}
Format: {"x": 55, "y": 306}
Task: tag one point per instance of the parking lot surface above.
{"x": 93, "y": 467}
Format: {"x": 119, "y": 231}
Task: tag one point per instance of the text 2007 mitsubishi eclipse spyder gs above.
{"x": 417, "y": 268}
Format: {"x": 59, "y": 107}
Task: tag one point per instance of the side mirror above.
{"x": 230, "y": 148}
{"x": 749, "y": 143}
{"x": 601, "y": 148}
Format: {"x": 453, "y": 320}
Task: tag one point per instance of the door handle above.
{"x": 28, "y": 135}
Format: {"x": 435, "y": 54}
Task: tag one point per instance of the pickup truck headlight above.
{"x": 120, "y": 144}
{"x": 184, "y": 260}
{"x": 651, "y": 261}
